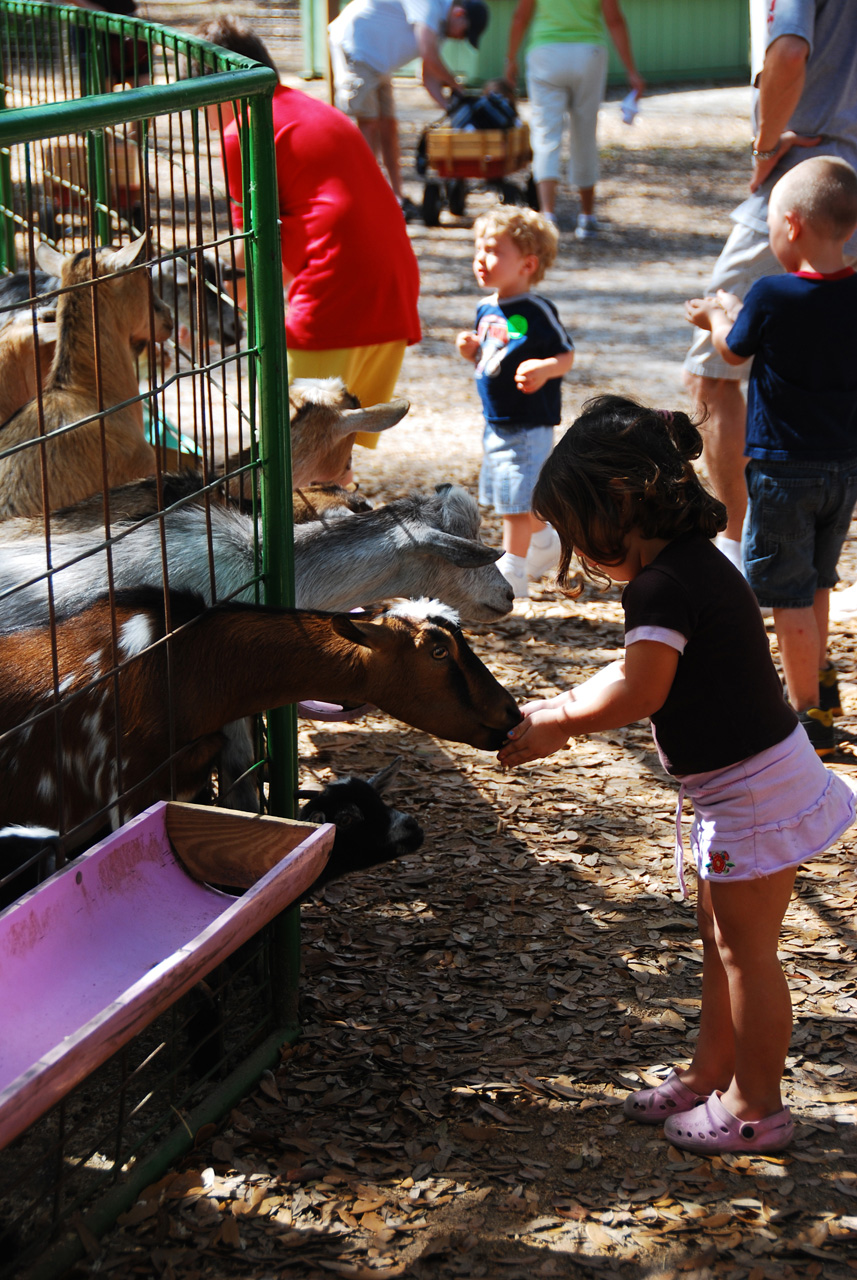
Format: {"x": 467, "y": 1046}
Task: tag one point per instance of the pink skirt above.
{"x": 768, "y": 812}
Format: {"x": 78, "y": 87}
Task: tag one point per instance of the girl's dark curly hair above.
{"x": 619, "y": 467}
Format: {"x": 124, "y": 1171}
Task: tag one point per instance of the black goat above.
{"x": 368, "y": 831}
{"x": 28, "y": 855}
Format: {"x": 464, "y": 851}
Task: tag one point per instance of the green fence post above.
{"x": 277, "y": 519}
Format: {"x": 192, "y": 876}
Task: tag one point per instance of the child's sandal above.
{"x": 711, "y": 1130}
{"x": 653, "y": 1106}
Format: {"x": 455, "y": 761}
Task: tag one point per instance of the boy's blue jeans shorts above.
{"x": 512, "y": 458}
{"x": 797, "y": 520}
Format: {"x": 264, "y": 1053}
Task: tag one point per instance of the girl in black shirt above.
{"x": 622, "y": 494}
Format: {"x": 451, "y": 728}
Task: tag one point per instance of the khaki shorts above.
{"x": 360, "y": 91}
{"x": 744, "y": 259}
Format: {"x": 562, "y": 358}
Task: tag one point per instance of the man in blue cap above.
{"x": 373, "y": 38}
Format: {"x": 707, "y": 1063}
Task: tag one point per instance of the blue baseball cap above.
{"x": 477, "y": 19}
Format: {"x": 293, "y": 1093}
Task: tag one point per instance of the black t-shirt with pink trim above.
{"x": 726, "y": 702}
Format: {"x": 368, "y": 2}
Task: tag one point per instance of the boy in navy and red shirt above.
{"x": 801, "y": 329}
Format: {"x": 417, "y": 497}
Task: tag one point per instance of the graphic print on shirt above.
{"x": 498, "y": 336}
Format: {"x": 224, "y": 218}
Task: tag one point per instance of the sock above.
{"x": 544, "y": 537}
{"x": 518, "y": 564}
{"x": 731, "y": 549}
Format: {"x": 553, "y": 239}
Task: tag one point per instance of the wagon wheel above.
{"x": 509, "y": 193}
{"x": 432, "y": 204}
{"x": 456, "y": 196}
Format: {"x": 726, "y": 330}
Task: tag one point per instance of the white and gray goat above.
{"x": 420, "y": 545}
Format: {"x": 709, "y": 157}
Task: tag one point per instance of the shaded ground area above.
{"x": 474, "y": 1015}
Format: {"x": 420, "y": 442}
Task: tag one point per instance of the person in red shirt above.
{"x": 351, "y": 274}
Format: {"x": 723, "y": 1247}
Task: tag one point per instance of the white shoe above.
{"x": 731, "y": 549}
{"x": 543, "y": 559}
{"x": 587, "y": 226}
{"x": 843, "y": 604}
{"x": 514, "y": 570}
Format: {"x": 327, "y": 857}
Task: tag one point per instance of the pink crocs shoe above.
{"x": 654, "y": 1106}
{"x": 710, "y": 1130}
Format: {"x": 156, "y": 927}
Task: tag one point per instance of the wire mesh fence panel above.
{"x": 143, "y": 426}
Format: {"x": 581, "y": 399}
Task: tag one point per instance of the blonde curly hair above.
{"x": 529, "y": 231}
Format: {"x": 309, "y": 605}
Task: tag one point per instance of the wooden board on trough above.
{"x": 478, "y": 153}
{"x": 93, "y": 955}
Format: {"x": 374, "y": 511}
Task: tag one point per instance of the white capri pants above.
{"x": 566, "y": 78}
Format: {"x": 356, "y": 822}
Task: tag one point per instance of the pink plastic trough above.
{"x": 93, "y": 955}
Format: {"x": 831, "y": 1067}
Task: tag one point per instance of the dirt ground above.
{"x": 474, "y": 1015}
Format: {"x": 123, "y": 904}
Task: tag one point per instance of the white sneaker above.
{"x": 543, "y": 559}
{"x": 514, "y": 570}
{"x": 587, "y": 226}
{"x": 731, "y": 549}
{"x": 843, "y": 604}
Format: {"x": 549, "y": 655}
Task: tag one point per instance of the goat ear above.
{"x": 49, "y": 258}
{"x": 377, "y": 417}
{"x": 463, "y": 552}
{"x": 345, "y": 625}
{"x": 384, "y": 777}
{"x": 128, "y": 253}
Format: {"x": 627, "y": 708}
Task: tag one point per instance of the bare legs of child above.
{"x": 802, "y": 640}
{"x": 517, "y": 531}
{"x": 745, "y": 1027}
{"x": 746, "y": 1016}
{"x": 530, "y": 549}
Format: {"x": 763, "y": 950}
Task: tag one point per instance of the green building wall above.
{"x": 673, "y": 40}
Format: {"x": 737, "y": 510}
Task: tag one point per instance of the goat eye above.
{"x": 440, "y": 652}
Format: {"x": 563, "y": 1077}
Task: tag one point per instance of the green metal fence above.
{"x": 105, "y": 131}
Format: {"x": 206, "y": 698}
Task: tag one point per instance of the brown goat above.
{"x": 219, "y": 665}
{"x": 18, "y": 369}
{"x": 85, "y": 388}
{"x": 324, "y": 421}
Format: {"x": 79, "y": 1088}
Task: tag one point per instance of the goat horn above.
{"x": 375, "y": 417}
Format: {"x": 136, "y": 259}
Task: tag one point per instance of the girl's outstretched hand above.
{"x": 543, "y": 731}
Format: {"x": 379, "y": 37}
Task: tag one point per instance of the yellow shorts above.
{"x": 369, "y": 373}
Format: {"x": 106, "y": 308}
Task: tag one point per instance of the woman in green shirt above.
{"x": 567, "y": 72}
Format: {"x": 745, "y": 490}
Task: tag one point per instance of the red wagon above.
{"x": 487, "y": 155}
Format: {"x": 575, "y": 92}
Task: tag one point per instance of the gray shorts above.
{"x": 745, "y": 258}
{"x": 360, "y": 91}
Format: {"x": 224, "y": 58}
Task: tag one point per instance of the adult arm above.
{"x": 521, "y": 19}
{"x": 614, "y": 20}
{"x": 781, "y": 84}
{"x": 436, "y": 74}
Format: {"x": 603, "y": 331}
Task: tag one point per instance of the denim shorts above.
{"x": 512, "y": 458}
{"x": 797, "y": 520}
